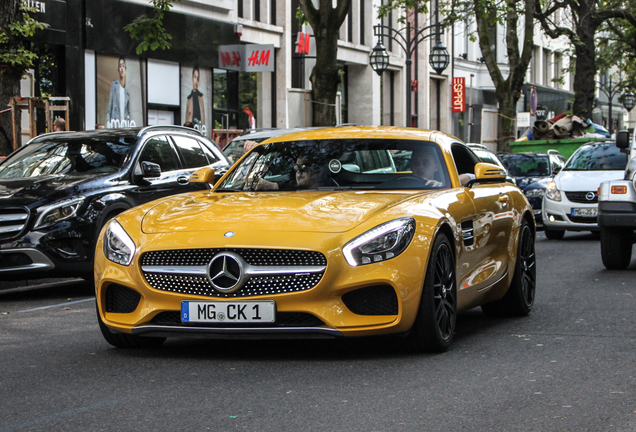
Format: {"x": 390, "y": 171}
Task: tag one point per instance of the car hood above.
{"x": 327, "y": 211}
{"x": 42, "y": 189}
{"x": 524, "y": 182}
{"x": 585, "y": 180}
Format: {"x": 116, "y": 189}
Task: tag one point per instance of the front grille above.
{"x": 257, "y": 257}
{"x": 580, "y": 197}
{"x": 373, "y": 300}
{"x": 13, "y": 221}
{"x": 121, "y": 299}
{"x": 262, "y": 285}
{"x": 283, "y": 319}
{"x": 583, "y": 219}
{"x": 185, "y": 271}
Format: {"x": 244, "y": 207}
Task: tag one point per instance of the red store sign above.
{"x": 247, "y": 58}
{"x": 459, "y": 94}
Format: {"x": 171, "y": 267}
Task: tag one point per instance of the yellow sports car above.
{"x": 349, "y": 231}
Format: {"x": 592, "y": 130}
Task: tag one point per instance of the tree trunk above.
{"x": 326, "y": 22}
{"x": 9, "y": 76}
{"x": 585, "y": 68}
{"x": 325, "y": 78}
{"x": 506, "y": 119}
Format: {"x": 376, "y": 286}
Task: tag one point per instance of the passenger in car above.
{"x": 424, "y": 163}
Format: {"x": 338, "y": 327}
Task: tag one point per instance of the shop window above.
{"x": 226, "y": 100}
{"x": 248, "y": 100}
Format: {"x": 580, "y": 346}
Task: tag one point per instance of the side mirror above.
{"x": 487, "y": 171}
{"x": 556, "y": 169}
{"x": 203, "y": 175}
{"x": 150, "y": 169}
{"x": 622, "y": 139}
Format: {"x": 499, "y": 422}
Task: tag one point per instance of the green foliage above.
{"x": 12, "y": 51}
{"x": 149, "y": 29}
{"x": 300, "y": 16}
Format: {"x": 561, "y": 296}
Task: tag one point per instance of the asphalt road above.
{"x": 569, "y": 366}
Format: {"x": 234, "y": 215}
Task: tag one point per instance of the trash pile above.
{"x": 564, "y": 127}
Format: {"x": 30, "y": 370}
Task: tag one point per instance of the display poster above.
{"x": 119, "y": 95}
{"x": 196, "y": 94}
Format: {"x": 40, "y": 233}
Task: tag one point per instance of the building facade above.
{"x": 238, "y": 64}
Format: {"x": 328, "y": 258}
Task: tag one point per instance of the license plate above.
{"x": 589, "y": 211}
{"x": 232, "y": 312}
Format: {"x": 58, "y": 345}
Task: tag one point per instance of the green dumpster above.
{"x": 564, "y": 146}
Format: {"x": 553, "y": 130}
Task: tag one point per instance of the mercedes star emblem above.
{"x": 225, "y": 272}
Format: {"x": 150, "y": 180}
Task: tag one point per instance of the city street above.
{"x": 569, "y": 366}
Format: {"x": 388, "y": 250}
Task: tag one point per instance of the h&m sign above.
{"x": 247, "y": 58}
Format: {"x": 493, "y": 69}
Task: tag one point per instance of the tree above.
{"x": 325, "y": 22}
{"x": 15, "y": 60}
{"x": 149, "y": 29}
{"x": 582, "y": 20}
{"x": 486, "y": 14}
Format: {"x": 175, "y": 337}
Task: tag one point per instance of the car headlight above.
{"x": 58, "y": 211}
{"x": 381, "y": 243}
{"x": 552, "y": 192}
{"x": 534, "y": 193}
{"x": 118, "y": 246}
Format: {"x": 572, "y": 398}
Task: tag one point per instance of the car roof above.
{"x": 372, "y": 132}
{"x": 264, "y": 133}
{"x": 113, "y": 133}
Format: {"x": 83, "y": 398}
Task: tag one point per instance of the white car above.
{"x": 571, "y": 199}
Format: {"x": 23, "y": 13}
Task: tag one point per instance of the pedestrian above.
{"x": 189, "y": 124}
{"x": 99, "y": 126}
{"x": 59, "y": 125}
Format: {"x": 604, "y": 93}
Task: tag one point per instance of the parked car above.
{"x": 571, "y": 201}
{"x": 58, "y": 191}
{"x": 235, "y": 149}
{"x": 297, "y": 239}
{"x": 532, "y": 173}
{"x": 617, "y": 211}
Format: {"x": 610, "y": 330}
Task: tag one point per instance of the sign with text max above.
{"x": 459, "y": 94}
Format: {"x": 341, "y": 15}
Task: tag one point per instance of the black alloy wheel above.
{"x": 519, "y": 298}
{"x": 434, "y": 325}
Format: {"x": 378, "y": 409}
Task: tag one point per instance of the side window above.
{"x": 465, "y": 159}
{"x": 158, "y": 150}
{"x": 212, "y": 158}
{"x": 191, "y": 152}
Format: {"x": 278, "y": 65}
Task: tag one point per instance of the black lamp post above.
{"x": 612, "y": 89}
{"x": 438, "y": 59}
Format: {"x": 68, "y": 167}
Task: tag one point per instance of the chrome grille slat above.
{"x": 13, "y": 221}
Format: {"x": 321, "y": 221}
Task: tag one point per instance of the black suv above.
{"x": 532, "y": 173}
{"x": 58, "y": 191}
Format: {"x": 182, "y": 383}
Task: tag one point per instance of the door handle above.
{"x": 183, "y": 180}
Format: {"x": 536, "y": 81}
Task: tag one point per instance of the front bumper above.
{"x": 315, "y": 312}
{"x": 63, "y": 250}
{"x": 617, "y": 209}
{"x": 558, "y": 215}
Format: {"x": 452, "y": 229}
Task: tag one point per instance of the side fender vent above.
{"x": 468, "y": 232}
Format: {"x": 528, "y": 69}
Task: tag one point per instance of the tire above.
{"x": 123, "y": 340}
{"x": 616, "y": 247}
{"x": 554, "y": 234}
{"x": 437, "y": 315}
{"x": 519, "y": 298}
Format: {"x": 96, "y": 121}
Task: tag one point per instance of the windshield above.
{"x": 364, "y": 164}
{"x": 71, "y": 156}
{"x": 524, "y": 165}
{"x": 598, "y": 157}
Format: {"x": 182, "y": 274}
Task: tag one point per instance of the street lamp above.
{"x": 629, "y": 100}
{"x": 612, "y": 89}
{"x": 438, "y": 59}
